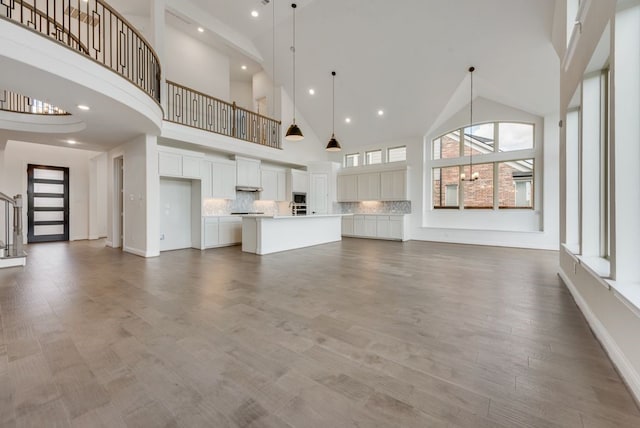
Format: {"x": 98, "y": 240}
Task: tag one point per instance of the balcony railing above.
{"x": 94, "y": 29}
{"x": 17, "y": 103}
{"x": 189, "y": 107}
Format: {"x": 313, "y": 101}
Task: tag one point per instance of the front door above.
{"x": 48, "y": 203}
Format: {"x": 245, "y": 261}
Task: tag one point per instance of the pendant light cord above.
{"x": 471, "y": 70}
{"x": 333, "y": 105}
{"x": 273, "y": 59}
{"x": 294, "y": 62}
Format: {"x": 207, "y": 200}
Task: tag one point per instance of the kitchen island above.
{"x": 266, "y": 234}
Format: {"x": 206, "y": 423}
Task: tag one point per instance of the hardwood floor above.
{"x": 358, "y": 333}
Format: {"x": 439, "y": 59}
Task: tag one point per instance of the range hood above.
{"x": 248, "y": 189}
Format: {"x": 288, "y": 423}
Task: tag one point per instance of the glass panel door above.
{"x": 48, "y": 203}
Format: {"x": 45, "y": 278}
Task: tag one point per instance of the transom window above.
{"x": 352, "y": 159}
{"x": 373, "y": 157}
{"x": 397, "y": 154}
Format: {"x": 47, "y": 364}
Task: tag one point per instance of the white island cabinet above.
{"x": 263, "y": 234}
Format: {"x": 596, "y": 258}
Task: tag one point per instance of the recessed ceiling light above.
{"x": 348, "y": 120}
{"x": 255, "y": 13}
{"x": 244, "y": 67}
{"x": 201, "y": 30}
{"x": 312, "y": 91}
{"x": 71, "y": 141}
{"x": 380, "y": 112}
{"x": 83, "y": 107}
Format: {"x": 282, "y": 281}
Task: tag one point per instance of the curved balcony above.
{"x": 95, "y": 30}
{"x": 17, "y": 103}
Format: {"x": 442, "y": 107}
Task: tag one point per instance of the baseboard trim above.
{"x": 108, "y": 244}
{"x": 629, "y": 375}
{"x": 135, "y": 251}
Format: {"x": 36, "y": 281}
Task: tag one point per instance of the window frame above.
{"x": 395, "y": 148}
{"x": 366, "y": 157}
{"x": 494, "y": 157}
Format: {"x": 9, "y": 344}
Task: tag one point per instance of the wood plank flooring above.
{"x": 358, "y": 333}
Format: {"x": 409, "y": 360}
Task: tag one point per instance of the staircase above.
{"x": 12, "y": 255}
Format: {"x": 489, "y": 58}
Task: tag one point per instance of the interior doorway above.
{"x": 48, "y": 203}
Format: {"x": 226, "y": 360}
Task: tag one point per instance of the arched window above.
{"x": 502, "y": 154}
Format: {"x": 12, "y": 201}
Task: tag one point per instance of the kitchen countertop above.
{"x": 276, "y": 217}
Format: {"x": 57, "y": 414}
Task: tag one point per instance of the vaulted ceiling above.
{"x": 407, "y": 57}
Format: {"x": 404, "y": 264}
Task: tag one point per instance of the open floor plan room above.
{"x": 352, "y": 333}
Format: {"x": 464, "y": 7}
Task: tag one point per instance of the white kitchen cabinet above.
{"x": 222, "y": 231}
{"x": 347, "y": 188}
{"x": 230, "y": 230}
{"x": 205, "y": 171}
{"x": 393, "y": 185}
{"x": 223, "y": 180}
{"x": 248, "y": 172}
{"x": 370, "y": 227}
{"x": 383, "y": 228}
{"x": 375, "y": 226}
{"x": 190, "y": 167}
{"x": 358, "y": 225}
{"x": 347, "y": 226}
{"x": 177, "y": 165}
{"x": 297, "y": 182}
{"x": 369, "y": 186}
{"x": 373, "y": 186}
{"x": 210, "y": 232}
{"x": 170, "y": 164}
{"x": 396, "y": 227}
{"x": 273, "y": 185}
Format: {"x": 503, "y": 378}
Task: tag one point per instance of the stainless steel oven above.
{"x": 299, "y": 204}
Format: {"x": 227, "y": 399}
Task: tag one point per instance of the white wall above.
{"x": 98, "y": 197}
{"x": 141, "y": 196}
{"x": 263, "y": 87}
{"x": 18, "y": 155}
{"x": 207, "y": 70}
{"x": 607, "y": 305}
{"x": 242, "y": 94}
{"x": 517, "y": 228}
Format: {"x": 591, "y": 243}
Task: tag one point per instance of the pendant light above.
{"x": 474, "y": 175}
{"x": 333, "y": 145}
{"x": 294, "y": 133}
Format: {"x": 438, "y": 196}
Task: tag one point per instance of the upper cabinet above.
{"x": 369, "y": 186}
{"x": 393, "y": 185}
{"x": 273, "y": 184}
{"x": 347, "y": 188}
{"x": 218, "y": 179}
{"x": 387, "y": 185}
{"x": 248, "y": 172}
{"x": 174, "y": 164}
{"x": 223, "y": 179}
{"x": 298, "y": 181}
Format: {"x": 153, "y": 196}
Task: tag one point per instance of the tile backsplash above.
{"x": 244, "y": 202}
{"x": 248, "y": 202}
{"x": 373, "y": 207}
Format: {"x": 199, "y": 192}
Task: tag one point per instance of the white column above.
{"x": 153, "y": 196}
{"x": 158, "y": 25}
{"x": 141, "y": 197}
{"x": 627, "y": 144}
